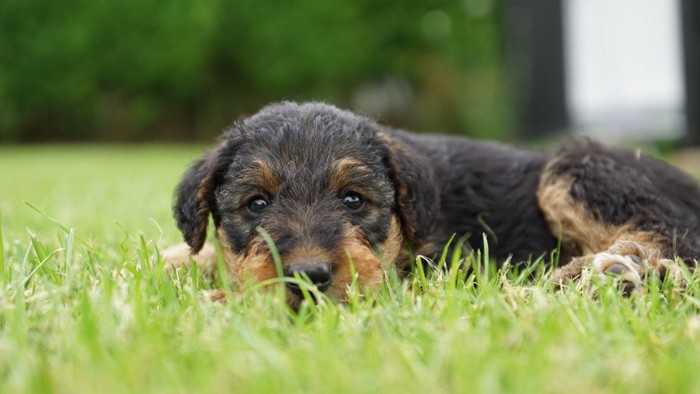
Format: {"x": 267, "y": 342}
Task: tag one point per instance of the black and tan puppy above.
{"x": 340, "y": 194}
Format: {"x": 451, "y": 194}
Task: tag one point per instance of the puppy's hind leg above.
{"x": 628, "y": 211}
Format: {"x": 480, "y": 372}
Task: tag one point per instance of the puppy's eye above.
{"x": 257, "y": 204}
{"x": 353, "y": 201}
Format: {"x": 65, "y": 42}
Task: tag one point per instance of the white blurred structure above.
{"x": 624, "y": 68}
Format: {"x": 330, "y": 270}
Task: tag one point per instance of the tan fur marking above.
{"x": 215, "y": 296}
{"x": 229, "y": 256}
{"x": 262, "y": 174}
{"x": 344, "y": 169}
{"x": 580, "y": 232}
{"x": 356, "y": 252}
{"x": 393, "y": 247}
{"x": 248, "y": 265}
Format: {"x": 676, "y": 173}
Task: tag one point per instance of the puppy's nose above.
{"x": 318, "y": 273}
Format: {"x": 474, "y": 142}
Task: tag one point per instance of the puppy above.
{"x": 344, "y": 198}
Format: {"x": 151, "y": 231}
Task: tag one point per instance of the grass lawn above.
{"x": 87, "y": 308}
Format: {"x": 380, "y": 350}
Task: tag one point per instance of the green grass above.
{"x": 85, "y": 307}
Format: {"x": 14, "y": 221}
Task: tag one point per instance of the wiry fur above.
{"x": 418, "y": 191}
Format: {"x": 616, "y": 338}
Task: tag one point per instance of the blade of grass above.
{"x": 454, "y": 267}
{"x": 273, "y": 250}
{"x": 38, "y": 247}
{"x": 422, "y": 278}
{"x": 2, "y": 250}
{"x": 445, "y": 250}
{"x": 281, "y": 291}
{"x": 38, "y": 266}
{"x": 60, "y": 225}
{"x": 486, "y": 257}
{"x": 353, "y": 290}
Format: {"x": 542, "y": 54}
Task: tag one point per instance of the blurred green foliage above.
{"x": 143, "y": 70}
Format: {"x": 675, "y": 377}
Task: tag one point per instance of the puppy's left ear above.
{"x": 417, "y": 195}
{"x": 194, "y": 196}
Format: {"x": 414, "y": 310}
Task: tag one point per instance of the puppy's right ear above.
{"x": 194, "y": 196}
{"x": 417, "y": 194}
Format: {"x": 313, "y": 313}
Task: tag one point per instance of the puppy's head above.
{"x": 337, "y": 194}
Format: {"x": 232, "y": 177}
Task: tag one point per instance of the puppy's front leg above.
{"x": 179, "y": 255}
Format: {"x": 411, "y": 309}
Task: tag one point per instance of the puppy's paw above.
{"x": 179, "y": 255}
{"x": 631, "y": 264}
{"x": 570, "y": 271}
{"x": 628, "y": 263}
{"x": 628, "y": 270}
{"x": 218, "y": 296}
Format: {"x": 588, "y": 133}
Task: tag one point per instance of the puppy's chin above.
{"x": 295, "y": 301}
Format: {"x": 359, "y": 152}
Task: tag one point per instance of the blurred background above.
{"x": 137, "y": 70}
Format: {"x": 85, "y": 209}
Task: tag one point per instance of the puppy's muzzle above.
{"x": 319, "y": 274}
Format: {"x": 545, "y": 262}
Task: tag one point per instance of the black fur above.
{"x": 487, "y": 188}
